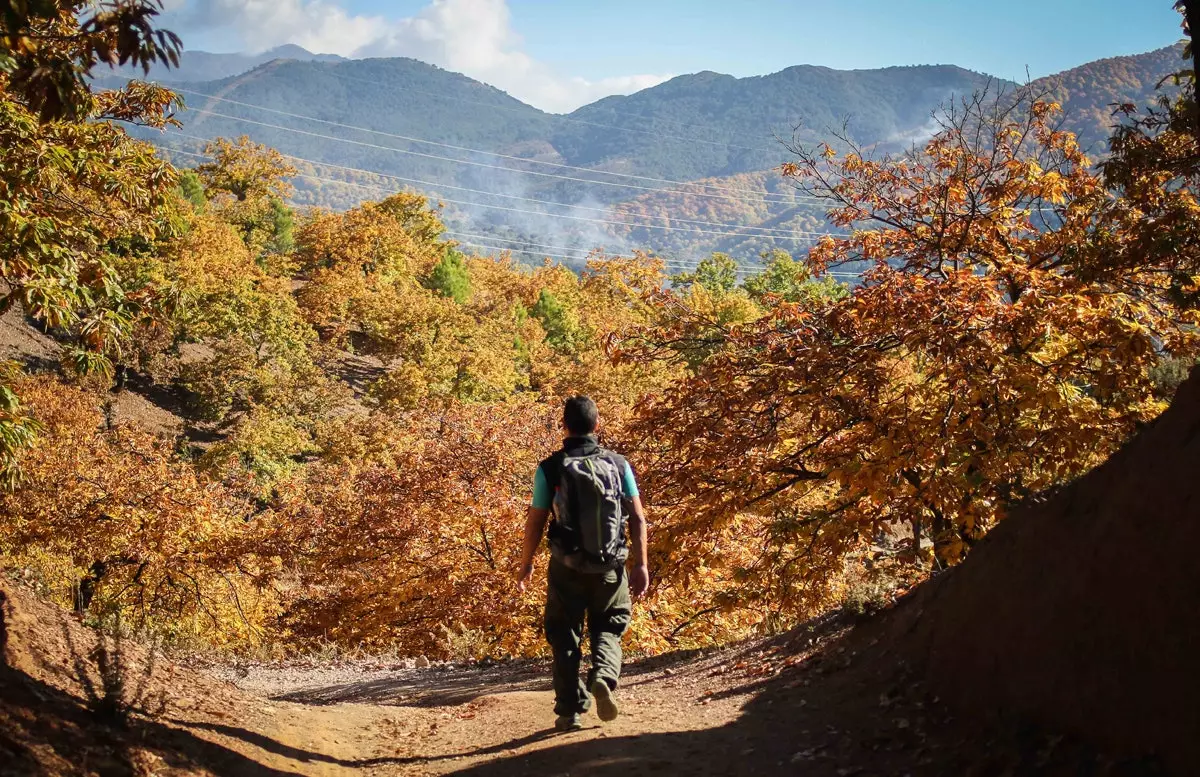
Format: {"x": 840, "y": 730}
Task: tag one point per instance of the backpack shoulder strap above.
{"x": 552, "y": 468}
{"x": 620, "y": 463}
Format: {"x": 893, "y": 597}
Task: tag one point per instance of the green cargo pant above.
{"x": 604, "y": 599}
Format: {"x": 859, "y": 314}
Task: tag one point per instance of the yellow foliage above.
{"x": 108, "y": 518}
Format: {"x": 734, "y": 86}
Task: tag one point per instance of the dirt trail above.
{"x": 438, "y": 721}
{"x": 352, "y": 720}
{"x": 823, "y": 701}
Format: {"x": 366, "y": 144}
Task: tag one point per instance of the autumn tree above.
{"x": 108, "y": 520}
{"x": 424, "y": 537}
{"x": 73, "y": 190}
{"x": 981, "y": 360}
{"x": 250, "y": 184}
{"x": 380, "y": 278}
{"x": 246, "y": 170}
{"x": 49, "y": 48}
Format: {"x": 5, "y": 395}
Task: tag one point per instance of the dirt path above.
{"x": 825, "y": 700}
{"x": 444, "y": 721}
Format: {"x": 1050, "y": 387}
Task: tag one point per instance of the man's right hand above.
{"x": 522, "y": 574}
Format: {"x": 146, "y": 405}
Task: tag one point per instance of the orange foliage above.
{"x": 979, "y": 362}
{"x": 110, "y": 518}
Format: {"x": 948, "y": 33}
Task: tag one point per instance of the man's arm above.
{"x": 639, "y": 579}
{"x": 535, "y": 527}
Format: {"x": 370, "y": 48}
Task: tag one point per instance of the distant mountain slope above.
{"x": 358, "y": 113}
{"x": 691, "y": 127}
{"x": 1087, "y": 92}
{"x": 396, "y": 96}
{"x": 734, "y": 122}
{"x": 207, "y": 66}
{"x": 363, "y": 122}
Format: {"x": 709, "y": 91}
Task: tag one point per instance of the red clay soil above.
{"x": 1082, "y": 612}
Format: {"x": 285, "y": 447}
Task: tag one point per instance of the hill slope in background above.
{"x": 1088, "y": 92}
{"x": 368, "y": 116}
{"x": 728, "y": 125}
{"x": 691, "y": 127}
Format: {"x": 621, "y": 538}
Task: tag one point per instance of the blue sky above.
{"x": 754, "y": 37}
{"x": 563, "y": 52}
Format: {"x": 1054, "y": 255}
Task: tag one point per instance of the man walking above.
{"x": 592, "y": 494}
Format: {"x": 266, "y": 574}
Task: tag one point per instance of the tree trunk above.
{"x": 1191, "y": 12}
{"x": 942, "y": 542}
{"x": 917, "y": 528}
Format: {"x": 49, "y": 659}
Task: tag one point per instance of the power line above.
{"x": 677, "y": 264}
{"x": 438, "y": 157}
{"x": 674, "y": 263}
{"x": 759, "y": 231}
{"x": 764, "y": 196}
{"x": 525, "y": 211}
{"x": 529, "y": 253}
{"x": 585, "y": 251}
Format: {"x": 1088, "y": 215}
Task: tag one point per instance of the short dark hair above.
{"x": 580, "y": 415}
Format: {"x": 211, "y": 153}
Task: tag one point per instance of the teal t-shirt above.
{"x": 543, "y": 497}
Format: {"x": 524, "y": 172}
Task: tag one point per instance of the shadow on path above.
{"x": 853, "y": 708}
{"x": 306, "y": 756}
{"x": 46, "y": 732}
{"x": 426, "y": 688}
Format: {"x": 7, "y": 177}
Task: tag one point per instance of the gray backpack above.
{"x": 588, "y": 533}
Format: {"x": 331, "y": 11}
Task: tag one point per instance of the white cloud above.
{"x": 474, "y": 37}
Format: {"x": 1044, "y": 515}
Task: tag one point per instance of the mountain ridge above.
{"x": 401, "y": 123}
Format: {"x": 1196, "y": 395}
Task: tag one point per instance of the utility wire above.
{"x": 759, "y": 231}
{"x": 747, "y": 193}
{"x": 578, "y": 255}
{"x": 525, "y": 211}
{"x": 438, "y": 157}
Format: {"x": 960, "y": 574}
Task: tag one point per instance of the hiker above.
{"x": 592, "y": 493}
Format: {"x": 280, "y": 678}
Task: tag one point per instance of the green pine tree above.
{"x": 562, "y": 332}
{"x": 450, "y": 277}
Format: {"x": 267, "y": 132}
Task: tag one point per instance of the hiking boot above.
{"x": 606, "y": 705}
{"x": 568, "y": 722}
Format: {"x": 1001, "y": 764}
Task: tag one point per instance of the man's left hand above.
{"x": 639, "y": 581}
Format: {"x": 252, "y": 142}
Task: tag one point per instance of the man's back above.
{"x": 593, "y": 495}
{"x": 589, "y": 490}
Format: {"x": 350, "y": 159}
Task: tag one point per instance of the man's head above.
{"x": 580, "y": 416}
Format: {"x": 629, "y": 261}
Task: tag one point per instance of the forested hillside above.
{"x": 801, "y": 440}
{"x": 1091, "y": 93}
{"x": 619, "y": 173}
{"x": 775, "y": 216}
{"x": 721, "y": 125}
